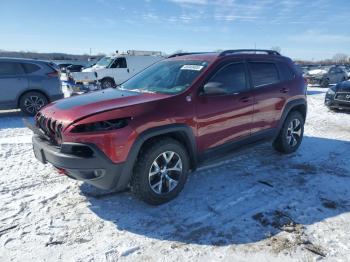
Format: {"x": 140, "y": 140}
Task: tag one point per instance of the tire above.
{"x": 107, "y": 83}
{"x": 150, "y": 181}
{"x": 290, "y": 136}
{"x": 31, "y": 102}
{"x": 325, "y": 82}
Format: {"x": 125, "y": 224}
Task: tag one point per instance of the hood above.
{"x": 93, "y": 68}
{"x": 343, "y": 86}
{"x": 78, "y": 107}
{"x": 317, "y": 72}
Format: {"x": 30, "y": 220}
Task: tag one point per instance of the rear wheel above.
{"x": 291, "y": 134}
{"x": 30, "y": 103}
{"x": 160, "y": 172}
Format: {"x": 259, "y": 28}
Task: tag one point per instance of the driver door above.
{"x": 119, "y": 70}
{"x": 225, "y": 117}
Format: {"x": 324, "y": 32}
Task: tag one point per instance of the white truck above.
{"x": 114, "y": 70}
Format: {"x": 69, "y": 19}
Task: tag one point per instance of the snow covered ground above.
{"x": 254, "y": 205}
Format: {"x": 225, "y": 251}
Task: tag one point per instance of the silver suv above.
{"x": 28, "y": 84}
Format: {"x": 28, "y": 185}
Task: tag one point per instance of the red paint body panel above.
{"x": 214, "y": 120}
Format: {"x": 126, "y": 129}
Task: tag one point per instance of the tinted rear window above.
{"x": 286, "y": 72}
{"x": 263, "y": 73}
{"x": 10, "y": 68}
{"x": 30, "y": 68}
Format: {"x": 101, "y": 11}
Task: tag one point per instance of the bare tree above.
{"x": 340, "y": 58}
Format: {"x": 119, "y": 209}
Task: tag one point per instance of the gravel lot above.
{"x": 254, "y": 205}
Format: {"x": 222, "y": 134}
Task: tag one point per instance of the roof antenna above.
{"x": 255, "y": 47}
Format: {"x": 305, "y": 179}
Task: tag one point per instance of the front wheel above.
{"x": 325, "y": 82}
{"x": 291, "y": 134}
{"x": 107, "y": 83}
{"x": 160, "y": 172}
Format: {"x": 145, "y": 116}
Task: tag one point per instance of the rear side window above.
{"x": 10, "y": 69}
{"x": 263, "y": 73}
{"x": 232, "y": 78}
{"x": 119, "y": 63}
{"x": 286, "y": 72}
{"x": 30, "y": 68}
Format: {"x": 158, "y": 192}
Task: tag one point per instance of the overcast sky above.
{"x": 302, "y": 29}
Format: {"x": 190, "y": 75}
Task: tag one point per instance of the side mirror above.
{"x": 214, "y": 88}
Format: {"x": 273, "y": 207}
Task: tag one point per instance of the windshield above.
{"x": 104, "y": 61}
{"x": 168, "y": 77}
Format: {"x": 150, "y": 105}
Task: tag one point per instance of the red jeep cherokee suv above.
{"x": 149, "y": 132}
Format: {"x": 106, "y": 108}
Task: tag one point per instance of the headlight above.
{"x": 101, "y": 126}
{"x": 330, "y": 92}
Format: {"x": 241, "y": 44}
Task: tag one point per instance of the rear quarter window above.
{"x": 286, "y": 72}
{"x": 263, "y": 73}
{"x": 30, "y": 68}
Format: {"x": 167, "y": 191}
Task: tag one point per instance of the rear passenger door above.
{"x": 13, "y": 82}
{"x": 269, "y": 93}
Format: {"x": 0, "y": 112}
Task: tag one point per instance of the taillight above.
{"x": 305, "y": 81}
{"x": 53, "y": 74}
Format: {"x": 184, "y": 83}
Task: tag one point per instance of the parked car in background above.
{"x": 110, "y": 71}
{"x": 28, "y": 84}
{"x": 347, "y": 70}
{"x": 338, "y": 97}
{"x": 324, "y": 76}
{"x": 74, "y": 68}
{"x": 173, "y": 116}
{"x": 63, "y": 67}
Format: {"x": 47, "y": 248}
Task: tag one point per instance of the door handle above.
{"x": 244, "y": 99}
{"x": 284, "y": 90}
{"x": 128, "y": 70}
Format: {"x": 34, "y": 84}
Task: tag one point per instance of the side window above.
{"x": 339, "y": 70}
{"x": 119, "y": 63}
{"x": 263, "y": 73}
{"x": 286, "y": 72}
{"x": 232, "y": 78}
{"x": 10, "y": 69}
{"x": 30, "y": 68}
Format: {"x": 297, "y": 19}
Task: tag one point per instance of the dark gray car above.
{"x": 28, "y": 84}
{"x": 324, "y": 76}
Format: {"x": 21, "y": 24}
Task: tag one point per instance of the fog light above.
{"x": 99, "y": 173}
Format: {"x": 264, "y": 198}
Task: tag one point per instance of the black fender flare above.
{"x": 288, "y": 108}
{"x": 182, "y": 129}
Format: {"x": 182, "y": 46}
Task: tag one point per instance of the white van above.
{"x": 116, "y": 69}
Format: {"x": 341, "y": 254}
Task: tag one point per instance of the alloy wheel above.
{"x": 165, "y": 172}
{"x": 33, "y": 104}
{"x": 294, "y": 132}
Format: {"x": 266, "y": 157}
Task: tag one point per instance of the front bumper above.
{"x": 331, "y": 102}
{"x": 82, "y": 162}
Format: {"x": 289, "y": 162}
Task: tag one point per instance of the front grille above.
{"x": 51, "y": 128}
{"x": 343, "y": 96}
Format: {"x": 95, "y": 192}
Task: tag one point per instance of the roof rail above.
{"x": 253, "y": 51}
{"x": 182, "y": 54}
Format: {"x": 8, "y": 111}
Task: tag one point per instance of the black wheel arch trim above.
{"x": 183, "y": 129}
{"x": 19, "y": 97}
{"x": 290, "y": 106}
